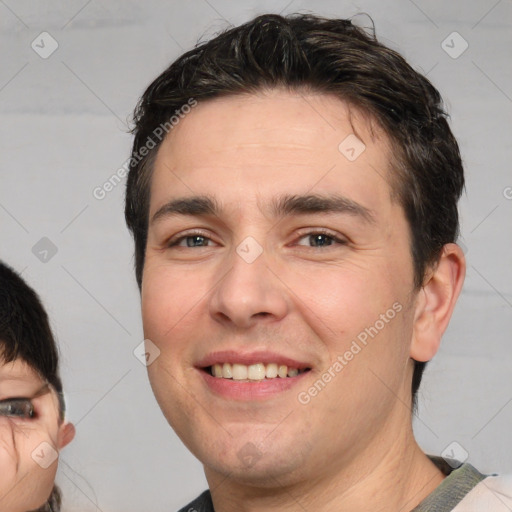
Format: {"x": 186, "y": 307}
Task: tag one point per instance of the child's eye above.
{"x": 17, "y": 407}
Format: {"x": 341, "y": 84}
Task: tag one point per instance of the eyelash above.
{"x": 173, "y": 242}
{"x": 324, "y": 232}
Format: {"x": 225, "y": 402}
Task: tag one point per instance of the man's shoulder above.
{"x": 467, "y": 490}
{"x": 492, "y": 493}
{"x": 202, "y": 503}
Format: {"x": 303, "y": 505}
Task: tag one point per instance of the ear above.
{"x": 435, "y": 302}
{"x": 66, "y": 434}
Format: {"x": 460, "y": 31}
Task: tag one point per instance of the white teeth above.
{"x": 239, "y": 371}
{"x": 226, "y": 371}
{"x": 256, "y": 372}
{"x": 217, "y": 370}
{"x": 271, "y": 371}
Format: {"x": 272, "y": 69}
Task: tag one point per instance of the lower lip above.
{"x": 253, "y": 390}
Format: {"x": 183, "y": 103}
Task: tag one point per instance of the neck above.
{"x": 387, "y": 476}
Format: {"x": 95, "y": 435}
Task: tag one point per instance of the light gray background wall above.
{"x": 63, "y": 133}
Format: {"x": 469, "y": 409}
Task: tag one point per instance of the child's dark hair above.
{"x": 25, "y": 334}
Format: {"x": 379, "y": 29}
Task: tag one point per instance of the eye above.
{"x": 17, "y": 408}
{"x": 190, "y": 240}
{"x": 320, "y": 239}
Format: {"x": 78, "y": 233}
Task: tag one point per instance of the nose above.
{"x": 249, "y": 293}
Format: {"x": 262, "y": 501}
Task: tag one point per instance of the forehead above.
{"x": 17, "y": 370}
{"x": 274, "y": 140}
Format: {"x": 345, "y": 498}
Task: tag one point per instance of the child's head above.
{"x": 32, "y": 426}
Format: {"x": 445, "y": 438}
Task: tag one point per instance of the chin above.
{"x": 266, "y": 474}
{"x": 267, "y": 464}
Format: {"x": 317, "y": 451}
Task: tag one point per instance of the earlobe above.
{"x": 66, "y": 434}
{"x": 436, "y": 301}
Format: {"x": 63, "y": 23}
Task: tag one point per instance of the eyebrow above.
{"x": 280, "y": 207}
{"x": 43, "y": 390}
{"x": 196, "y": 205}
{"x": 313, "y": 203}
{"x": 8, "y": 377}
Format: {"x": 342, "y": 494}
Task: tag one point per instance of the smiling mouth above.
{"x": 253, "y": 372}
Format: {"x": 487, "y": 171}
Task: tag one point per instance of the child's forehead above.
{"x": 18, "y": 370}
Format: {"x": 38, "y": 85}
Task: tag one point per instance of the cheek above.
{"x": 168, "y": 308}
{"x": 32, "y": 482}
{"x": 169, "y": 296}
{"x": 359, "y": 312}
{"x": 341, "y": 300}
{"x": 40, "y": 485}
{"x": 8, "y": 455}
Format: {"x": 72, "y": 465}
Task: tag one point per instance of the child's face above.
{"x": 31, "y": 434}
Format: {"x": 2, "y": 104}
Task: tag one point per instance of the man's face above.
{"x": 31, "y": 433}
{"x": 305, "y": 262}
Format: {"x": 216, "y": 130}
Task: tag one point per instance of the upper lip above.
{"x": 248, "y": 358}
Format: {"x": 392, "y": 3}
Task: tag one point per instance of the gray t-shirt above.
{"x": 457, "y": 484}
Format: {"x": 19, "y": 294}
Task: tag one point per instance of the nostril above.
{"x": 262, "y": 314}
